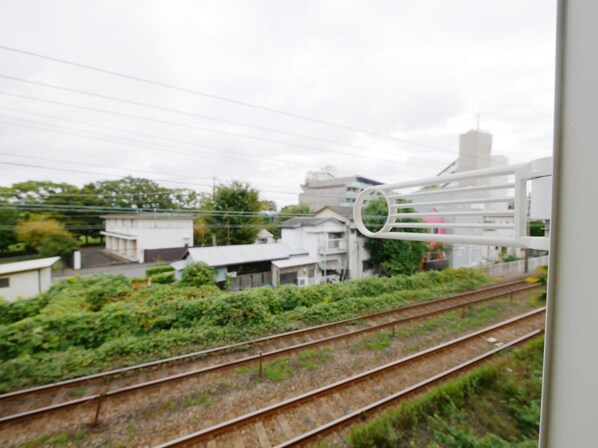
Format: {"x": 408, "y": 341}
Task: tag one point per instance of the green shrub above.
{"x": 83, "y": 324}
{"x": 158, "y": 270}
{"x": 198, "y": 274}
{"x": 164, "y": 278}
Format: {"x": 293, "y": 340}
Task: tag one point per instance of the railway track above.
{"x": 88, "y": 409}
{"x": 308, "y": 417}
{"x": 44, "y": 395}
{"x": 37, "y": 401}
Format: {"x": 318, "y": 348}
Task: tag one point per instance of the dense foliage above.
{"x": 84, "y": 325}
{"x": 391, "y": 257}
{"x": 47, "y": 237}
{"x": 198, "y": 274}
{"x": 495, "y": 406}
{"x": 237, "y": 220}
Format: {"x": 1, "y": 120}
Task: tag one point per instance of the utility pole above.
{"x": 227, "y": 232}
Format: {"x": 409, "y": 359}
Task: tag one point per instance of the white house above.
{"x": 253, "y": 265}
{"x": 332, "y": 238}
{"x": 26, "y": 278}
{"x": 148, "y": 237}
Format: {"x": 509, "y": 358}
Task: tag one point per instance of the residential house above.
{"x": 254, "y": 265}
{"x": 144, "y": 238}
{"x": 332, "y": 238}
{"x": 26, "y": 278}
{"x": 265, "y": 237}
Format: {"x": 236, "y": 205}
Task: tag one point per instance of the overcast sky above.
{"x": 415, "y": 71}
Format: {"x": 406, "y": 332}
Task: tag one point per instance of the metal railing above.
{"x": 493, "y": 210}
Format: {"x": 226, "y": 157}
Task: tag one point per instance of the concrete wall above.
{"x": 26, "y": 284}
{"x": 148, "y": 234}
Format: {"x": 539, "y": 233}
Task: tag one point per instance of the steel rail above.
{"x": 26, "y": 415}
{"x": 230, "y": 347}
{"x": 226, "y": 426}
{"x": 422, "y": 385}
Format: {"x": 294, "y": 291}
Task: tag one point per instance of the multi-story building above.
{"x": 322, "y": 188}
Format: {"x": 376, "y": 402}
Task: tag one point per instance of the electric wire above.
{"x": 215, "y": 97}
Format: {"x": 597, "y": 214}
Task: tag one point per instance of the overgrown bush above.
{"x": 102, "y": 320}
{"x": 158, "y": 270}
{"x": 198, "y": 274}
{"x": 163, "y": 278}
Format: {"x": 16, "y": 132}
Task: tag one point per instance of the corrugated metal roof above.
{"x": 294, "y": 261}
{"x": 302, "y": 222}
{"x": 29, "y": 265}
{"x": 239, "y": 254}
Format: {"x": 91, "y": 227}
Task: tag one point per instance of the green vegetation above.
{"x": 228, "y": 225}
{"x": 46, "y": 236}
{"x": 392, "y": 257}
{"x": 58, "y": 440}
{"x": 310, "y": 359}
{"x": 493, "y": 406}
{"x": 158, "y": 270}
{"x": 85, "y": 325}
{"x": 277, "y": 370}
{"x": 198, "y": 274}
{"x": 377, "y": 341}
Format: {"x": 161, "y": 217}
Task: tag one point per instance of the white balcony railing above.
{"x": 455, "y": 212}
{"x": 333, "y": 246}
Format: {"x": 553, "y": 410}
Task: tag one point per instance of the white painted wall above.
{"x": 147, "y": 233}
{"x": 311, "y": 238}
{"x": 26, "y": 284}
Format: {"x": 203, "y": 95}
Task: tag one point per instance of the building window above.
{"x": 365, "y": 265}
{"x": 4, "y": 282}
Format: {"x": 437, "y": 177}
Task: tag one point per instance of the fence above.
{"x": 514, "y": 267}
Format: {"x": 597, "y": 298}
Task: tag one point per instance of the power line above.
{"x": 85, "y": 123}
{"x": 149, "y": 211}
{"x": 131, "y": 142}
{"x": 199, "y": 128}
{"x": 191, "y": 114}
{"x": 215, "y": 97}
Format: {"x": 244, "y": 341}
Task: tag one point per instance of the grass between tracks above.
{"x": 494, "y": 406}
{"x": 86, "y": 325}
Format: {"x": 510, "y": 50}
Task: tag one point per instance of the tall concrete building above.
{"x": 323, "y": 189}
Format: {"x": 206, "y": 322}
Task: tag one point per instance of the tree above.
{"x": 57, "y": 245}
{"x": 47, "y": 237}
{"x": 8, "y": 221}
{"x": 132, "y": 192}
{"x": 198, "y": 274}
{"x": 288, "y": 212}
{"x": 391, "y": 257}
{"x": 232, "y": 213}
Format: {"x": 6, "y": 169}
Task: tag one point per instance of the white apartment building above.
{"x": 322, "y": 188}
{"x": 145, "y": 237}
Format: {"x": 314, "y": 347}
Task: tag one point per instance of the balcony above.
{"x": 333, "y": 246}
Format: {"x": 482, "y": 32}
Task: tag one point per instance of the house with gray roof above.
{"x": 254, "y": 265}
